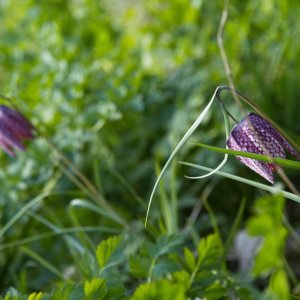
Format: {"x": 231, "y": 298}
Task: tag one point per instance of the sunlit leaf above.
{"x": 95, "y": 289}
{"x": 106, "y": 249}
{"x": 162, "y": 289}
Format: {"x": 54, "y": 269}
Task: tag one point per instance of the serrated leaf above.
{"x": 116, "y": 293}
{"x": 267, "y": 223}
{"x": 164, "y": 267}
{"x": 87, "y": 265}
{"x": 260, "y": 225}
{"x": 205, "y": 278}
{"x": 268, "y": 218}
{"x": 169, "y": 244}
{"x": 13, "y": 294}
{"x": 189, "y": 259}
{"x": 68, "y": 291}
{"x": 35, "y": 296}
{"x": 95, "y": 289}
{"x": 279, "y": 286}
{"x": 209, "y": 251}
{"x": 182, "y": 277}
{"x": 164, "y": 245}
{"x": 162, "y": 289}
{"x": 270, "y": 253}
{"x": 106, "y": 249}
{"x": 217, "y": 290}
{"x": 139, "y": 266}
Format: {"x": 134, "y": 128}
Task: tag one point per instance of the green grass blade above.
{"x": 258, "y": 185}
{"x": 234, "y": 228}
{"x": 80, "y": 203}
{"x": 62, "y": 232}
{"x": 178, "y": 147}
{"x": 279, "y": 161}
{"x": 42, "y": 261}
{"x": 23, "y": 211}
{"x": 223, "y": 162}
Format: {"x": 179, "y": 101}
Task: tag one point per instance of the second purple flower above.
{"x": 14, "y": 129}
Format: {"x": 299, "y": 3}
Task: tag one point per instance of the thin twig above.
{"x": 223, "y": 53}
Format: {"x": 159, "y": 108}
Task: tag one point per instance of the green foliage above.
{"x": 112, "y": 86}
{"x": 155, "y": 260}
{"x": 268, "y": 224}
{"x": 162, "y": 289}
{"x": 279, "y": 285}
{"x": 106, "y": 249}
{"x": 66, "y": 291}
{"x": 95, "y": 289}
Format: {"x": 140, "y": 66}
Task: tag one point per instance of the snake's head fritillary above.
{"x": 14, "y": 128}
{"x": 255, "y": 134}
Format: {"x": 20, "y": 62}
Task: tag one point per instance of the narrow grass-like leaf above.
{"x": 178, "y": 147}
{"x": 165, "y": 205}
{"x": 23, "y": 211}
{"x": 73, "y": 243}
{"x": 64, "y": 231}
{"x": 234, "y": 228}
{"x": 223, "y": 162}
{"x": 83, "y": 236}
{"x": 258, "y": 185}
{"x": 91, "y": 206}
{"x": 279, "y": 161}
{"x": 42, "y": 261}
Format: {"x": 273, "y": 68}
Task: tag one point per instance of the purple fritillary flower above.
{"x": 265, "y": 140}
{"x": 14, "y": 128}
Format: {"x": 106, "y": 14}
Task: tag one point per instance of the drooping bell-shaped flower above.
{"x": 255, "y": 134}
{"x": 14, "y": 128}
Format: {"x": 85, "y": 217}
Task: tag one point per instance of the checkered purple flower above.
{"x": 255, "y": 134}
{"x": 14, "y": 128}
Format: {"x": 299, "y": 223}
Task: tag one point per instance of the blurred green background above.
{"x": 114, "y": 84}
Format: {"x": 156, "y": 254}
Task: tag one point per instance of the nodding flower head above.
{"x": 255, "y": 134}
{"x": 14, "y": 128}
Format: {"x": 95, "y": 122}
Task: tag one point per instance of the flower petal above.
{"x": 8, "y": 137}
{"x": 19, "y": 124}
{"x": 255, "y": 134}
{"x": 274, "y": 142}
{"x": 6, "y": 147}
{"x": 262, "y": 168}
